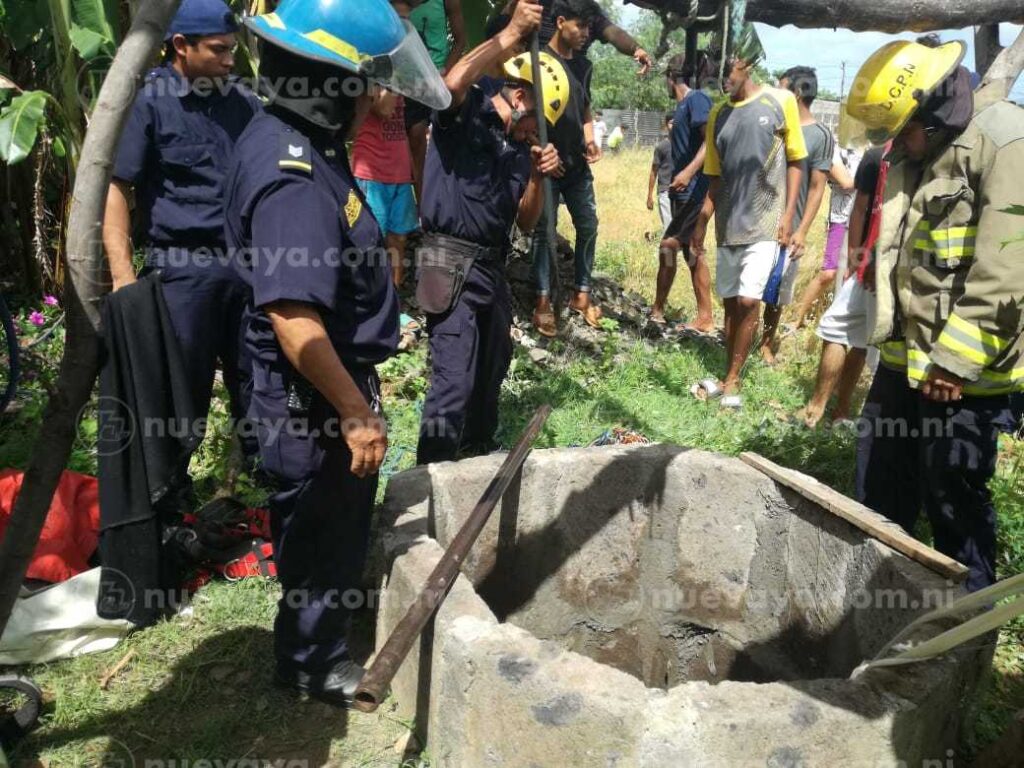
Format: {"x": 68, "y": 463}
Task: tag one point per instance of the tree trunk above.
{"x": 88, "y": 281}
{"x": 885, "y": 15}
{"x": 1003, "y": 73}
{"x": 986, "y": 46}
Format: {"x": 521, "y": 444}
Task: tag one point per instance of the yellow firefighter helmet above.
{"x": 894, "y": 82}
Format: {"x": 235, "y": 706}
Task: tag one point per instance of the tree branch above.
{"x": 88, "y": 281}
{"x": 885, "y": 15}
{"x": 1003, "y": 73}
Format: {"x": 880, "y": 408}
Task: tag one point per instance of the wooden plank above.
{"x": 875, "y": 525}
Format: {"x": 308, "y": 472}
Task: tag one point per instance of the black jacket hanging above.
{"x": 148, "y": 429}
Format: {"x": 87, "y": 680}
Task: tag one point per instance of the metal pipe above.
{"x": 374, "y": 685}
{"x": 549, "y": 201}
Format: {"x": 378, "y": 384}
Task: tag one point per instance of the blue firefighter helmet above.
{"x": 362, "y": 36}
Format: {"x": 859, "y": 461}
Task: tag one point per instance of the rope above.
{"x": 987, "y": 621}
{"x": 726, "y": 11}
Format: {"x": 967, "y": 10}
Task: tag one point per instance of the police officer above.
{"x": 324, "y": 311}
{"x": 481, "y": 177}
{"x": 173, "y": 156}
{"x": 949, "y": 285}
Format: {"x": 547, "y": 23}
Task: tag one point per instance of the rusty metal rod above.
{"x": 374, "y": 685}
{"x": 550, "y": 203}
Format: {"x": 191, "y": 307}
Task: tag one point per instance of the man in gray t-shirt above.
{"x": 803, "y": 83}
{"x": 661, "y": 175}
{"x": 816, "y": 166}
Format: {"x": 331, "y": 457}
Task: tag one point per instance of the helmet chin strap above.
{"x": 518, "y": 115}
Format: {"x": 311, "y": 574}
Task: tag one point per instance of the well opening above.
{"x": 670, "y": 571}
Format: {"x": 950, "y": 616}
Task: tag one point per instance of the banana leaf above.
{"x": 93, "y": 28}
{"x": 20, "y": 124}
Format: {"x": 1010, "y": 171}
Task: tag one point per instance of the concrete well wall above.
{"x": 658, "y": 606}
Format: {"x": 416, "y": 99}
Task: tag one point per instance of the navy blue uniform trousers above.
{"x": 470, "y": 350}
{"x": 319, "y": 517}
{"x": 206, "y": 303}
{"x": 915, "y": 453}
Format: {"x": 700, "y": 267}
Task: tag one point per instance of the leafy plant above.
{"x": 51, "y": 65}
{"x": 1015, "y": 210}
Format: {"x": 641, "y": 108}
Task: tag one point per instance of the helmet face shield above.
{"x": 409, "y": 70}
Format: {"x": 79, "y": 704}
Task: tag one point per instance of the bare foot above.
{"x": 768, "y": 355}
{"x": 810, "y": 415}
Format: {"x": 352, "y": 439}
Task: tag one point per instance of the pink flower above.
{"x": 37, "y": 318}
{"x": 50, "y": 301}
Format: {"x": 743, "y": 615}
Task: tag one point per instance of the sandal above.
{"x": 591, "y": 315}
{"x": 712, "y": 390}
{"x": 544, "y": 322}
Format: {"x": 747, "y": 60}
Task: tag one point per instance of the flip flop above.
{"x": 732, "y": 402}
{"x": 712, "y": 390}
{"x": 591, "y": 315}
{"x": 688, "y": 333}
{"x": 544, "y": 322}
{"x": 691, "y": 328}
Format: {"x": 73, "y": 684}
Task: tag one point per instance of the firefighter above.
{"x": 172, "y": 158}
{"x": 323, "y": 315}
{"x": 950, "y": 285}
{"x": 482, "y": 176}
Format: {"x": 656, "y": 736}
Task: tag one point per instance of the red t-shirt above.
{"x": 381, "y": 149}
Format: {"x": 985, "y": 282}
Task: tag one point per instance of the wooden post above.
{"x": 885, "y": 15}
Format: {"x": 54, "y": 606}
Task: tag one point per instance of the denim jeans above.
{"x": 578, "y": 194}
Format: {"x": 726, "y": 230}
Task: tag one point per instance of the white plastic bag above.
{"x": 59, "y": 621}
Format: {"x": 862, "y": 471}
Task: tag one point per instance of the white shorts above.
{"x": 847, "y": 321}
{"x": 744, "y": 270}
{"x": 664, "y": 209}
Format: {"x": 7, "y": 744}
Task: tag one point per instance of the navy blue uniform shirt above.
{"x": 175, "y": 151}
{"x": 300, "y": 231}
{"x": 688, "y": 125}
{"x": 474, "y": 174}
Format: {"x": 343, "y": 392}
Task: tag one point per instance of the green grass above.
{"x": 198, "y": 687}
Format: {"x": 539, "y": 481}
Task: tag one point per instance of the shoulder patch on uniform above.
{"x": 295, "y": 154}
{"x": 1002, "y": 123}
{"x": 353, "y": 207}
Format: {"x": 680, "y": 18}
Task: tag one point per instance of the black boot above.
{"x": 336, "y": 686}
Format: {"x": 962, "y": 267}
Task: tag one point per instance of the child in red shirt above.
{"x": 382, "y": 166}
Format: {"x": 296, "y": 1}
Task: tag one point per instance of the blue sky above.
{"x": 827, "y": 49}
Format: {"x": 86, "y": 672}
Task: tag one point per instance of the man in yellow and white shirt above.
{"x": 754, "y": 148}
